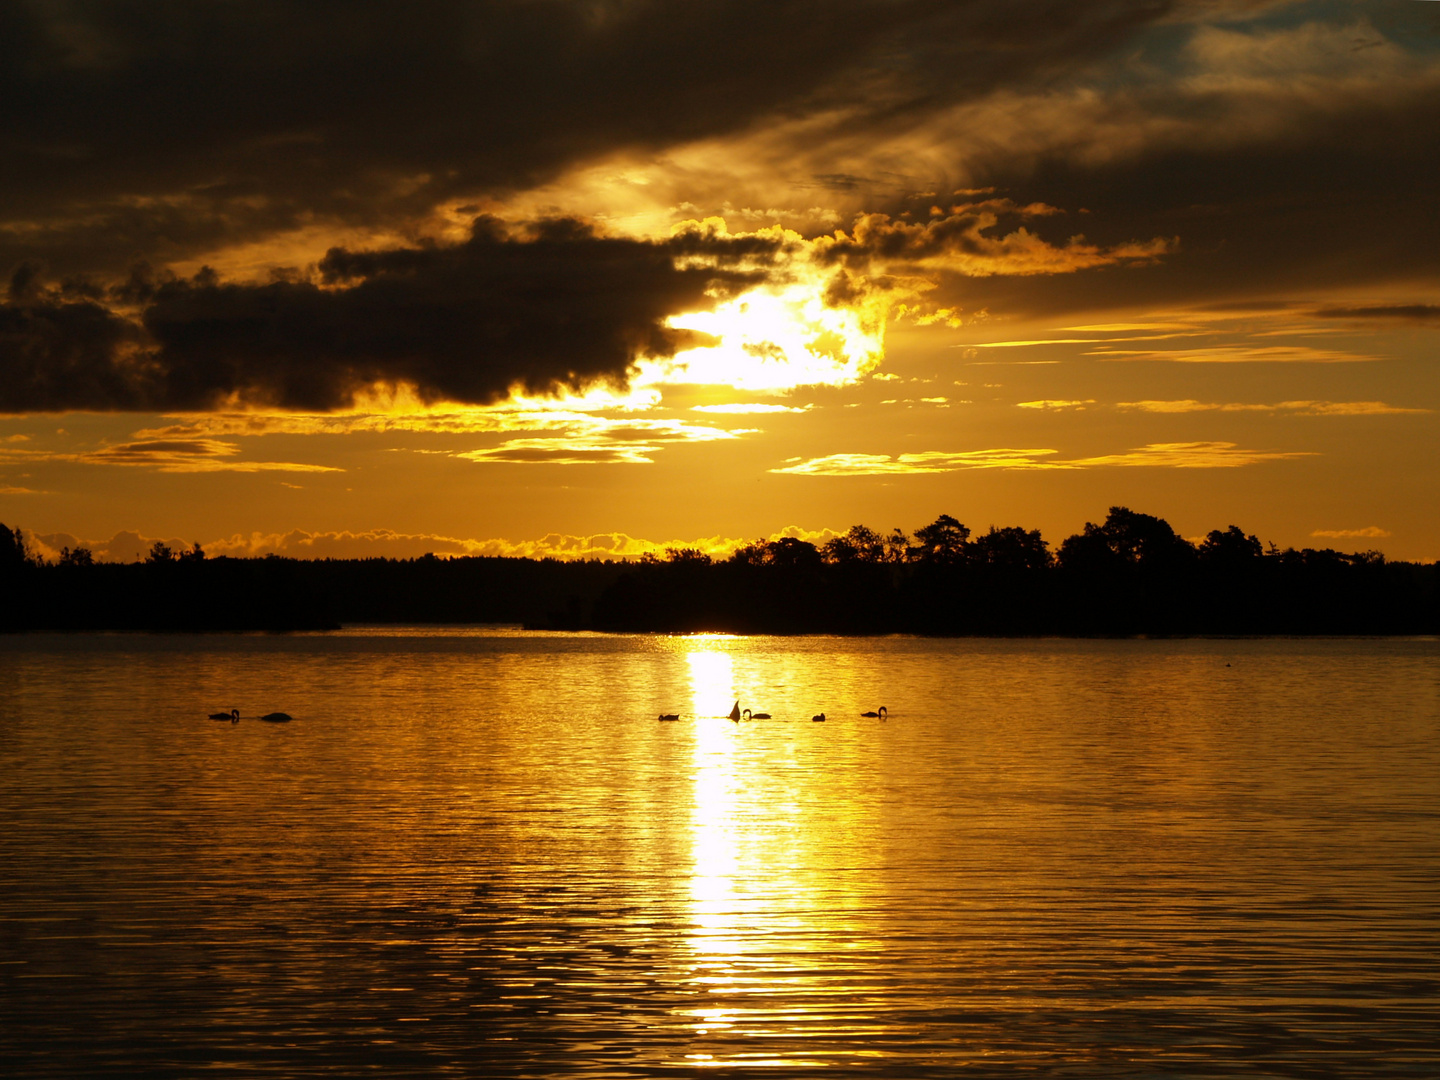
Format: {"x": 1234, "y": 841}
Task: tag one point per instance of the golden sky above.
{"x": 582, "y": 278}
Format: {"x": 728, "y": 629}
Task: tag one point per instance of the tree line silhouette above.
{"x": 1131, "y": 574}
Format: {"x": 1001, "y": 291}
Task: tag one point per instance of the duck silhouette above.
{"x": 276, "y": 717}
{"x": 820, "y": 719}
{"x": 233, "y": 716}
{"x": 669, "y": 716}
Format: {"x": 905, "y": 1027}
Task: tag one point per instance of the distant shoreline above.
{"x": 1129, "y": 577}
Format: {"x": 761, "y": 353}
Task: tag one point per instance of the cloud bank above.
{"x": 556, "y": 306}
{"x": 133, "y": 546}
{"x": 532, "y": 309}
{"x": 1197, "y": 149}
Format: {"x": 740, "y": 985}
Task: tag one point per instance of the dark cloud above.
{"x": 555, "y": 305}
{"x": 1344, "y": 208}
{"x": 162, "y": 130}
{"x": 60, "y": 354}
{"x": 1405, "y": 312}
{"x": 1282, "y": 160}
{"x": 165, "y": 448}
{"x": 155, "y": 129}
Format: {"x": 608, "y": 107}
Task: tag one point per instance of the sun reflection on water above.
{"x": 741, "y": 871}
{"x": 715, "y": 846}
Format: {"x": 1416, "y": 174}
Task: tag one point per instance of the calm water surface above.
{"x": 477, "y": 853}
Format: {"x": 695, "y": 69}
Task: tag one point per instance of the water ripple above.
{"x": 481, "y": 855}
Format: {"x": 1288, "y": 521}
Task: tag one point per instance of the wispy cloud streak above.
{"x": 1189, "y": 455}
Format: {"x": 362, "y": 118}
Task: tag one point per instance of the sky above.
{"x": 587, "y": 278}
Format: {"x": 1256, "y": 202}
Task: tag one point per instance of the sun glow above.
{"x": 775, "y": 339}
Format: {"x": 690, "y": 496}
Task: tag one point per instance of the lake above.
{"x": 476, "y": 852}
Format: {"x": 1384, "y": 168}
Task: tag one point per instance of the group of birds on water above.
{"x": 737, "y": 714}
{"x": 234, "y": 717}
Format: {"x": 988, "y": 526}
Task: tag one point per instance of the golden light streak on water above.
{"x": 768, "y": 908}
{"x": 715, "y": 856}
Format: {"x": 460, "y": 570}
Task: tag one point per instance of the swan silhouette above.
{"x": 277, "y": 717}
{"x": 882, "y": 714}
{"x": 756, "y": 716}
{"x": 669, "y": 716}
{"x": 735, "y": 712}
{"x": 818, "y": 719}
{"x": 233, "y": 715}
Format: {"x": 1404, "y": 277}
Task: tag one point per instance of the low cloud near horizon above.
{"x": 131, "y": 546}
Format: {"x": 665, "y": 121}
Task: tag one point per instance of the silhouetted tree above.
{"x": 160, "y": 552}
{"x": 941, "y": 543}
{"x": 750, "y": 554}
{"x": 687, "y": 556}
{"x": 1130, "y": 575}
{"x": 77, "y": 556}
{"x": 14, "y": 551}
{"x": 1126, "y": 538}
{"x": 17, "y": 573}
{"x": 1011, "y": 589}
{"x": 858, "y": 545}
{"x": 897, "y": 546}
{"x": 1230, "y": 548}
{"x": 1012, "y": 548}
{"x": 793, "y": 554}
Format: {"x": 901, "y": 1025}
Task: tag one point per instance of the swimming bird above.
{"x": 735, "y": 712}
{"x": 756, "y": 716}
{"x": 233, "y": 715}
{"x": 277, "y": 717}
{"x": 882, "y": 714}
{"x": 669, "y": 716}
{"x": 818, "y": 719}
